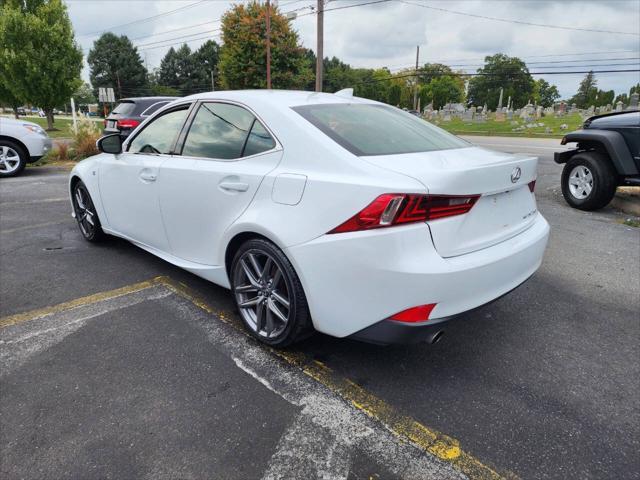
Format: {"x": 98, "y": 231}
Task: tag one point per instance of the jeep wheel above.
{"x": 589, "y": 181}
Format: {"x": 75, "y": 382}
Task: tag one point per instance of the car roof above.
{"x": 144, "y": 99}
{"x": 277, "y": 98}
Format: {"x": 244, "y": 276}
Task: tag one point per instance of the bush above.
{"x": 84, "y": 140}
{"x": 59, "y": 153}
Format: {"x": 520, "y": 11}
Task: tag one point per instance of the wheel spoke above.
{"x": 276, "y": 311}
{"x": 249, "y": 273}
{"x": 281, "y": 300}
{"x": 251, "y": 302}
{"x": 259, "y": 316}
{"x": 246, "y": 289}
{"x": 89, "y": 217}
{"x": 79, "y": 200}
{"x": 265, "y": 271}
{"x": 270, "y": 326}
{"x": 255, "y": 265}
{"x": 574, "y": 181}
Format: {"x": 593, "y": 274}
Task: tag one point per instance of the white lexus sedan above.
{"x": 319, "y": 211}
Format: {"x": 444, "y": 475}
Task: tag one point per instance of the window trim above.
{"x": 144, "y": 114}
{"x": 152, "y": 118}
{"x": 179, "y": 147}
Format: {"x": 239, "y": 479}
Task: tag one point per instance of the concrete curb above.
{"x": 627, "y": 200}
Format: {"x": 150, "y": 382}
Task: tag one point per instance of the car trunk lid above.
{"x": 506, "y": 205}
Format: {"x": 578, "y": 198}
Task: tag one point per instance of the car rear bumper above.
{"x": 355, "y": 280}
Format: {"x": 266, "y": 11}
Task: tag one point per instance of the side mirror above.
{"x": 110, "y": 143}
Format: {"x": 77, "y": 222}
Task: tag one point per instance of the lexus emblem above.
{"x": 516, "y": 174}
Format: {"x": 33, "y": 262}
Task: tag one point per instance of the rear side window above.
{"x": 125, "y": 108}
{"x": 222, "y": 131}
{"x": 259, "y": 140}
{"x": 369, "y": 129}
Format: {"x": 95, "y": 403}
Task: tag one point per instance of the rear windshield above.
{"x": 369, "y": 129}
{"x": 124, "y": 108}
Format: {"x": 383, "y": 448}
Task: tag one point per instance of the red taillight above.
{"x": 105, "y": 123}
{"x": 415, "y": 314}
{"x": 532, "y": 185}
{"x": 128, "y": 123}
{"x": 400, "y": 208}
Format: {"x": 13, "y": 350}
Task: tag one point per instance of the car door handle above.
{"x": 234, "y": 186}
{"x": 148, "y": 176}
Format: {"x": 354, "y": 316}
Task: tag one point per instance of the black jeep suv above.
{"x": 607, "y": 155}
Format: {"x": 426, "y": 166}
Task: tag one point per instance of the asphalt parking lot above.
{"x": 115, "y": 364}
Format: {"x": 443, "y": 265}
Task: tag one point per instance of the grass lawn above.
{"x": 491, "y": 127}
{"x": 63, "y": 125}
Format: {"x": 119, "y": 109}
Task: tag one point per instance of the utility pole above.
{"x": 213, "y": 86}
{"x": 415, "y": 91}
{"x": 268, "y": 44}
{"x": 319, "y": 52}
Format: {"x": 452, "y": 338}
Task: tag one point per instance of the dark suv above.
{"x": 607, "y": 155}
{"x": 130, "y": 113}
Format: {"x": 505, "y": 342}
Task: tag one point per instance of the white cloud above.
{"x": 386, "y": 34}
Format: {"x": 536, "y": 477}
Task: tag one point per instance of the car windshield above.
{"x": 371, "y": 129}
{"x": 125, "y": 108}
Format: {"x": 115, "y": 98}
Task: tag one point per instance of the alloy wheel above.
{"x": 580, "y": 182}
{"x": 85, "y": 211}
{"x": 262, "y": 293}
{"x": 9, "y": 160}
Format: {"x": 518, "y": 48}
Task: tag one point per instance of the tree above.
{"x": 84, "y": 95}
{"x": 177, "y": 70}
{"x": 205, "y": 61}
{"x": 544, "y": 93}
{"x": 430, "y": 71}
{"x": 394, "y": 94}
{"x": 8, "y": 99}
{"x": 243, "y": 53}
{"x": 444, "y": 89}
{"x": 40, "y": 60}
{"x": 587, "y": 91}
{"x": 114, "y": 62}
{"x": 501, "y": 71}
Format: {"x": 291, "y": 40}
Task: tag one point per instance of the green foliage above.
{"x": 431, "y": 71}
{"x": 444, "y": 89}
{"x": 394, "y": 95}
{"x": 40, "y": 60}
{"x": 544, "y": 93}
{"x": 587, "y": 91}
{"x": 243, "y": 54}
{"x": 501, "y": 71}
{"x": 114, "y": 62}
{"x": 184, "y": 73}
{"x": 84, "y": 95}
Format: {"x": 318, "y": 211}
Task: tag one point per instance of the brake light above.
{"x": 415, "y": 314}
{"x": 532, "y": 185}
{"x": 128, "y": 123}
{"x": 399, "y": 208}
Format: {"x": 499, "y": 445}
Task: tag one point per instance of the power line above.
{"x": 520, "y": 22}
{"x": 144, "y": 20}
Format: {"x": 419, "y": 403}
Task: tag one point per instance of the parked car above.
{"x": 20, "y": 143}
{"x": 21, "y": 111}
{"x": 607, "y": 156}
{"x": 130, "y": 112}
{"x": 319, "y": 211}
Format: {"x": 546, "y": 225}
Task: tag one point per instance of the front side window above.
{"x": 159, "y": 135}
{"x": 371, "y": 129}
{"x": 224, "y": 131}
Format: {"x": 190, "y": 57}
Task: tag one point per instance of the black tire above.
{"x": 298, "y": 325}
{"x": 604, "y": 180}
{"x": 85, "y": 213}
{"x": 22, "y": 155}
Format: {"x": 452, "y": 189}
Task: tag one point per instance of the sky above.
{"x": 579, "y": 35}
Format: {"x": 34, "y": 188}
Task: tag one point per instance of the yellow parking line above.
{"x": 78, "y": 302}
{"x": 441, "y": 446}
